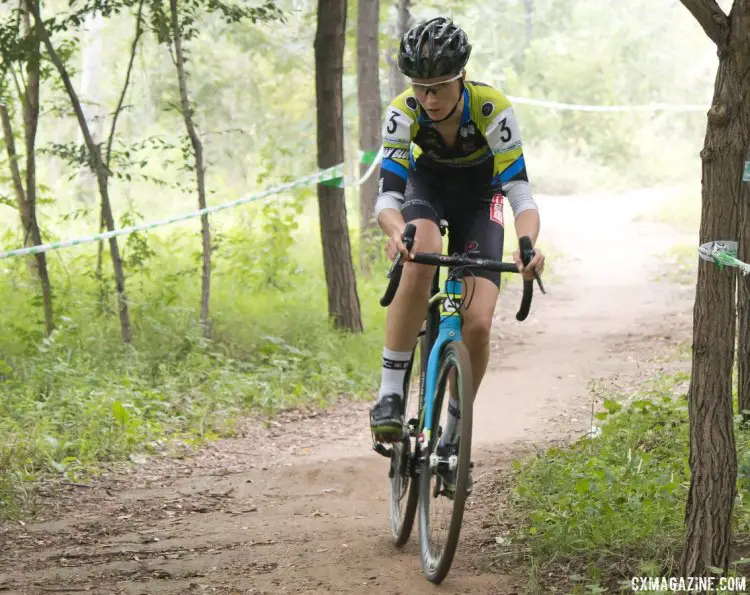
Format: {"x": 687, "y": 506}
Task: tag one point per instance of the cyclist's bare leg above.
{"x": 477, "y": 322}
{"x": 475, "y": 333}
{"x": 409, "y": 307}
{"x": 403, "y": 321}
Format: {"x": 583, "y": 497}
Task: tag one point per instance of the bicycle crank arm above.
{"x": 382, "y": 450}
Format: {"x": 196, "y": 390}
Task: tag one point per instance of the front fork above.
{"x": 443, "y": 324}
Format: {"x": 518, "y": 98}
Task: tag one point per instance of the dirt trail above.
{"x": 301, "y": 507}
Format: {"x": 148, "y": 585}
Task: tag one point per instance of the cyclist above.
{"x": 452, "y": 150}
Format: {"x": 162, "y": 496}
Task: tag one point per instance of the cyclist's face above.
{"x": 437, "y": 95}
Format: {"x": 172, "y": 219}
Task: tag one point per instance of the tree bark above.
{"x": 743, "y": 306}
{"x": 743, "y": 294}
{"x": 90, "y": 89}
{"x": 396, "y": 80}
{"x": 30, "y": 125}
{"x": 187, "y": 115}
{"x": 519, "y": 57}
{"x": 18, "y": 187}
{"x": 102, "y": 175}
{"x": 17, "y": 179}
{"x": 26, "y": 197}
{"x": 370, "y": 115}
{"x": 343, "y": 303}
{"x": 713, "y": 20}
{"x": 15, "y": 172}
{"x": 529, "y": 19}
{"x": 713, "y": 460}
{"x": 113, "y": 126}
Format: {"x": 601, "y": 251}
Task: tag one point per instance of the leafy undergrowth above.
{"x": 594, "y": 514}
{"x": 79, "y": 398}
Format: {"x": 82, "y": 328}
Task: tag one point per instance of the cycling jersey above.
{"x": 487, "y": 157}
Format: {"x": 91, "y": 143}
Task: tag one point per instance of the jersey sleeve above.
{"x": 501, "y": 130}
{"x": 399, "y": 129}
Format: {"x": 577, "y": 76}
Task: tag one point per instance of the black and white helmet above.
{"x": 433, "y": 48}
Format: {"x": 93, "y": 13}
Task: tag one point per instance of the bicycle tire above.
{"x": 401, "y": 522}
{"x": 455, "y": 356}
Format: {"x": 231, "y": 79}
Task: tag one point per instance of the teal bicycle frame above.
{"x": 446, "y": 327}
{"x": 449, "y": 329}
{"x": 415, "y": 453}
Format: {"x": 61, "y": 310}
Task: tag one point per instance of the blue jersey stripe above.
{"x": 514, "y": 168}
{"x": 466, "y": 116}
{"x": 395, "y": 167}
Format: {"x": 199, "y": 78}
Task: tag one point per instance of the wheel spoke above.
{"x": 438, "y": 512}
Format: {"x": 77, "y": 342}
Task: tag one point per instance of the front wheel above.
{"x": 404, "y": 484}
{"x": 434, "y": 497}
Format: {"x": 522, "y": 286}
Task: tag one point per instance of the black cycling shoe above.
{"x": 447, "y": 476}
{"x": 387, "y": 419}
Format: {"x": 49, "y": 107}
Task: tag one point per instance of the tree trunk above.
{"x": 713, "y": 460}
{"x": 30, "y": 125}
{"x": 26, "y": 197}
{"x": 97, "y": 163}
{"x": 370, "y": 115}
{"x": 15, "y": 174}
{"x": 396, "y": 80}
{"x": 529, "y": 18}
{"x": 343, "y": 303}
{"x": 520, "y": 55}
{"x": 91, "y": 87}
{"x": 111, "y": 137}
{"x": 743, "y": 306}
{"x": 187, "y": 114}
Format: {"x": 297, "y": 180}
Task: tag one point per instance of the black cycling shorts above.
{"x": 475, "y": 218}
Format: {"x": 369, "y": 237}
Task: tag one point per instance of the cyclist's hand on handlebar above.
{"x": 536, "y": 264}
{"x": 396, "y": 245}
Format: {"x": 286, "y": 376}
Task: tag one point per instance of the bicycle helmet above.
{"x": 435, "y": 47}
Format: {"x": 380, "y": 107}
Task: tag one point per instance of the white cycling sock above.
{"x": 393, "y": 372}
{"x": 452, "y": 431}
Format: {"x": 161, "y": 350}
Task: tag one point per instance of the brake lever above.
{"x": 394, "y": 264}
{"x": 539, "y": 281}
{"x": 527, "y": 255}
{"x": 408, "y": 239}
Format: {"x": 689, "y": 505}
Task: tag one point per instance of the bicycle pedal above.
{"x": 382, "y": 450}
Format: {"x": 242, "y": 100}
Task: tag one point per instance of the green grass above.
{"x": 608, "y": 508}
{"x": 79, "y": 398}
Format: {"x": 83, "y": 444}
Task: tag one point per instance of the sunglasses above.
{"x": 422, "y": 88}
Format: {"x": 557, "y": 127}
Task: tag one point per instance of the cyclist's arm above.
{"x": 510, "y": 176}
{"x": 527, "y": 224}
{"x": 398, "y": 130}
{"x": 390, "y": 219}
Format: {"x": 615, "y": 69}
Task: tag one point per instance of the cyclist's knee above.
{"x": 428, "y": 235}
{"x": 417, "y": 276}
{"x": 476, "y": 330}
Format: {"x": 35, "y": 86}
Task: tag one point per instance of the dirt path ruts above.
{"x": 300, "y": 507}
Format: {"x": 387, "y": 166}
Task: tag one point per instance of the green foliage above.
{"x": 591, "y": 53}
{"x": 137, "y": 252}
{"x": 611, "y": 507}
{"x": 77, "y": 398}
{"x": 262, "y": 246}
{"x": 190, "y": 13}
